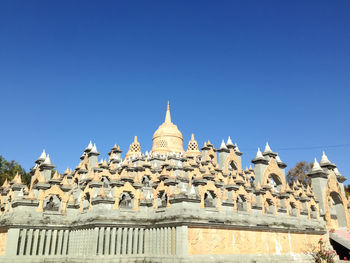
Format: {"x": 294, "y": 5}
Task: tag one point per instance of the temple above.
{"x": 172, "y": 205}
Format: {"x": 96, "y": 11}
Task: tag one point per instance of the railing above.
{"x": 106, "y": 241}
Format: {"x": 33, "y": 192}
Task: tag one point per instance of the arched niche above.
{"x": 162, "y": 199}
{"x": 212, "y": 188}
{"x": 210, "y": 155}
{"x": 232, "y": 163}
{"x": 274, "y": 181}
{"x": 86, "y": 201}
{"x": 335, "y": 203}
{"x": 52, "y": 203}
{"x": 210, "y": 199}
{"x": 127, "y": 189}
{"x": 241, "y": 203}
{"x": 337, "y": 209}
{"x": 146, "y": 180}
{"x": 158, "y": 194}
{"x": 272, "y": 171}
{"x": 313, "y": 212}
{"x": 293, "y": 209}
{"x": 44, "y": 198}
{"x": 126, "y": 200}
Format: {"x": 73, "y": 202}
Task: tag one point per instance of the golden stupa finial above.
{"x": 167, "y": 116}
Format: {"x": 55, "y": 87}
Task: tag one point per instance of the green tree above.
{"x": 299, "y": 173}
{"x": 8, "y": 170}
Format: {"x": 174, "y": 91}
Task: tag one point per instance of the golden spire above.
{"x": 167, "y": 115}
{"x": 167, "y": 138}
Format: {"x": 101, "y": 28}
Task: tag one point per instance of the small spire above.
{"x": 229, "y": 141}
{"x": 56, "y": 176}
{"x": 135, "y": 139}
{"x": 17, "y": 179}
{"x": 31, "y": 195}
{"x": 259, "y": 154}
{"x": 236, "y": 147}
{"x": 223, "y": 145}
{"x": 94, "y": 149}
{"x": 336, "y": 171}
{"x": 324, "y": 158}
{"x": 278, "y": 159}
{"x": 267, "y": 148}
{"x": 71, "y": 199}
{"x": 316, "y": 166}
{"x": 102, "y": 192}
{"x": 192, "y": 137}
{"x": 258, "y": 187}
{"x": 89, "y": 147}
{"x": 167, "y": 115}
{"x": 47, "y": 160}
{"x": 43, "y": 155}
{"x": 65, "y": 181}
{"x": 5, "y": 184}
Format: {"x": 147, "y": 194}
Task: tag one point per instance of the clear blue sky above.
{"x": 71, "y": 71}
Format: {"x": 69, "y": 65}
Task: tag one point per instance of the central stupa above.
{"x": 167, "y": 137}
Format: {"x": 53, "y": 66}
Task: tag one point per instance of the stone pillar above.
{"x": 100, "y": 241}
{"x": 48, "y": 242}
{"x": 169, "y": 241}
{"x": 42, "y": 240}
{"x": 157, "y": 241}
{"x": 181, "y": 240}
{"x": 173, "y": 240}
{"x": 124, "y": 244}
{"x": 161, "y": 239}
{"x": 318, "y": 183}
{"x": 65, "y": 242}
{"x": 135, "y": 241}
{"x": 59, "y": 245}
{"x": 107, "y": 242}
{"x": 112, "y": 247}
{"x": 141, "y": 242}
{"x": 54, "y": 240}
{"x": 119, "y": 240}
{"x": 223, "y": 153}
{"x": 12, "y": 241}
{"x": 35, "y": 242}
{"x": 130, "y": 241}
{"x": 147, "y": 241}
{"x": 260, "y": 164}
{"x": 29, "y": 242}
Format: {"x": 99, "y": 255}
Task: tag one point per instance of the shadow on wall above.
{"x": 342, "y": 251}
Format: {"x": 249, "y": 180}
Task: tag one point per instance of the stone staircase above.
{"x": 341, "y": 236}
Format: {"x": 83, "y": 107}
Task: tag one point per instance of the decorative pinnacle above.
{"x": 259, "y": 154}
{"x": 223, "y": 145}
{"x": 324, "y": 158}
{"x": 316, "y": 166}
{"x": 47, "y": 160}
{"x": 229, "y": 141}
{"x": 267, "y": 148}
{"x": 135, "y": 139}
{"x": 43, "y": 155}
{"x": 278, "y": 159}
{"x": 89, "y": 147}
{"x": 167, "y": 115}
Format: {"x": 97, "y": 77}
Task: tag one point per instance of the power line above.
{"x": 305, "y": 147}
